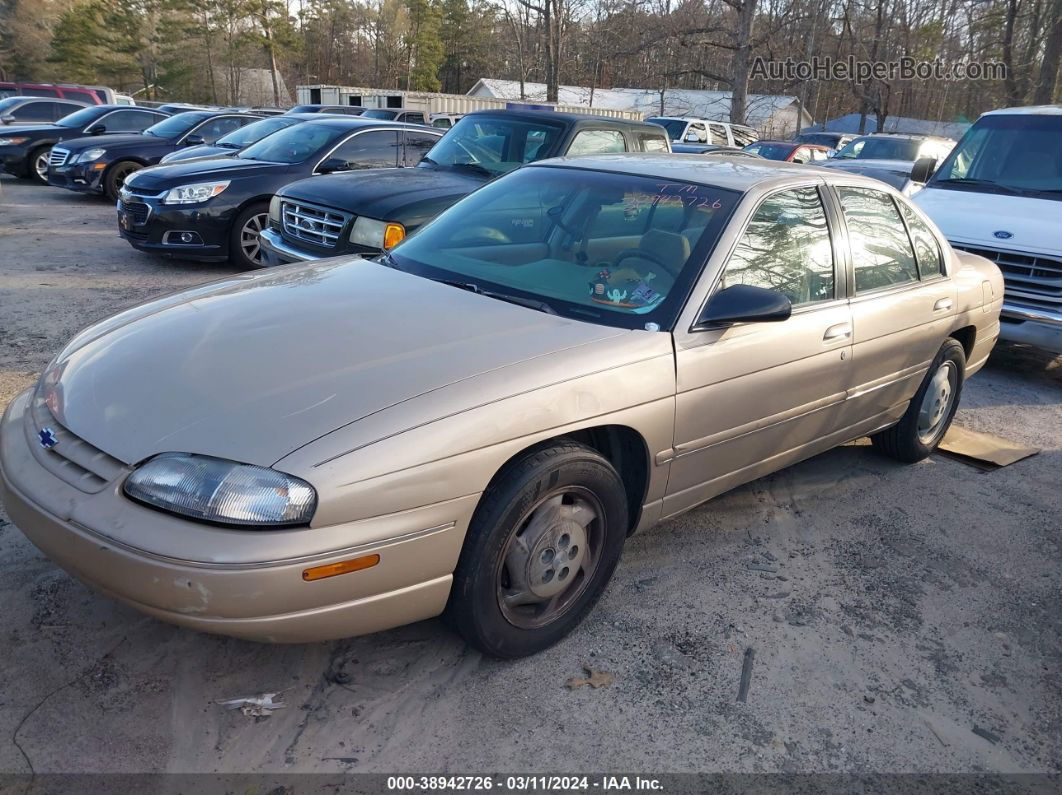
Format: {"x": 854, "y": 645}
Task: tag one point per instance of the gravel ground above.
{"x": 904, "y": 618}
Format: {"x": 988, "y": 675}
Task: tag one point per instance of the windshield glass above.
{"x": 256, "y": 131}
{"x": 379, "y": 113}
{"x": 883, "y": 148}
{"x": 1019, "y": 152}
{"x": 675, "y": 127}
{"x": 770, "y": 151}
{"x": 10, "y": 102}
{"x": 493, "y": 145}
{"x": 80, "y": 118}
{"x": 604, "y": 247}
{"x": 294, "y": 144}
{"x": 177, "y": 125}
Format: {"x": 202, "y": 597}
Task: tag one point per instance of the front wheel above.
{"x": 540, "y": 550}
{"x": 929, "y": 415}
{"x": 245, "y": 245}
{"x": 116, "y": 177}
{"x": 38, "y": 170}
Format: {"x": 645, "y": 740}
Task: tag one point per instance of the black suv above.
{"x": 214, "y": 209}
{"x": 94, "y": 165}
{"x": 25, "y": 151}
{"x": 369, "y": 212}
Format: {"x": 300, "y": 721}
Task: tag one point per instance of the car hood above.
{"x": 381, "y": 192}
{"x": 118, "y": 141}
{"x": 255, "y": 367}
{"x": 39, "y": 130}
{"x": 970, "y": 216}
{"x": 185, "y": 171}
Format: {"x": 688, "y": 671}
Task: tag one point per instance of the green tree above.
{"x": 424, "y": 45}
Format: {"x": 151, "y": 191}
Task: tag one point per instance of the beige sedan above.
{"x": 475, "y": 424}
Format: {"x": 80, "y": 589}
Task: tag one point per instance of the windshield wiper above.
{"x": 977, "y": 183}
{"x": 476, "y": 167}
{"x": 228, "y": 145}
{"x": 472, "y": 287}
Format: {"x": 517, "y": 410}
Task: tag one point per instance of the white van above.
{"x": 999, "y": 194}
{"x": 691, "y": 130}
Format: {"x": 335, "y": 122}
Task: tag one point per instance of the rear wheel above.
{"x": 540, "y": 551}
{"x": 116, "y": 177}
{"x": 245, "y": 246}
{"x": 38, "y": 159}
{"x": 929, "y": 415}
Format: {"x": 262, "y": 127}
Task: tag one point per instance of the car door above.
{"x": 903, "y": 301}
{"x": 753, "y": 397}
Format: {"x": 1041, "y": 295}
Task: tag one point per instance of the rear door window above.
{"x": 417, "y": 145}
{"x": 653, "y": 143}
{"x": 927, "y": 249}
{"x": 718, "y": 136}
{"x": 882, "y": 255}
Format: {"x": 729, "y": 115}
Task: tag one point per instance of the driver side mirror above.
{"x": 744, "y": 303}
{"x": 923, "y": 169}
{"x": 194, "y": 140}
{"x": 7, "y": 118}
{"x": 332, "y": 165}
{"x": 97, "y": 129}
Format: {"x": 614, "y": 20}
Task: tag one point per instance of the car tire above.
{"x": 540, "y": 550}
{"x": 245, "y": 250}
{"x": 930, "y": 413}
{"x": 38, "y": 157}
{"x": 116, "y": 176}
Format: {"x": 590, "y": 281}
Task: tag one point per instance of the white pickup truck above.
{"x": 691, "y": 130}
{"x": 999, "y": 194}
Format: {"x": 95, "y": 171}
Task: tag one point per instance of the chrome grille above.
{"x": 312, "y": 224}
{"x": 57, "y": 157}
{"x": 1029, "y": 279}
{"x": 72, "y": 459}
{"x": 138, "y": 211}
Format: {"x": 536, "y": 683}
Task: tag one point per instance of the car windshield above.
{"x": 177, "y": 125}
{"x": 294, "y": 144}
{"x": 492, "y": 145}
{"x": 256, "y": 131}
{"x": 10, "y": 102}
{"x": 770, "y": 151}
{"x": 675, "y": 127}
{"x": 610, "y": 248}
{"x": 80, "y": 118}
{"x": 883, "y": 148}
{"x": 1020, "y": 152}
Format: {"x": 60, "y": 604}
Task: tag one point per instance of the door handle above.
{"x": 942, "y": 304}
{"x": 838, "y": 331}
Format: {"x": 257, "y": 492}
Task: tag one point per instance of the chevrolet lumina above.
{"x": 475, "y": 423}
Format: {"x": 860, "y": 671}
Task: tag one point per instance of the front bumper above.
{"x": 82, "y": 177}
{"x": 151, "y": 226}
{"x": 278, "y": 252}
{"x": 15, "y": 159}
{"x": 230, "y": 592}
{"x": 1033, "y": 326}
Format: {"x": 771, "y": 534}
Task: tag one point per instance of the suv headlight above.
{"x": 224, "y": 492}
{"x": 193, "y": 194}
{"x": 274, "y": 209}
{"x": 90, "y": 154}
{"x": 17, "y": 141}
{"x": 376, "y": 234}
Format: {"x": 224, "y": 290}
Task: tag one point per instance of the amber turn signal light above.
{"x": 393, "y": 235}
{"x": 343, "y": 567}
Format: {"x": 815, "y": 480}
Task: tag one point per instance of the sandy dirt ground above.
{"x": 904, "y": 618}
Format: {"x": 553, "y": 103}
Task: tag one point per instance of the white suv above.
{"x": 690, "y": 130}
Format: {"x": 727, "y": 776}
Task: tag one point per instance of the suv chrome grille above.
{"x": 1029, "y": 279}
{"x": 71, "y": 459}
{"x": 312, "y": 224}
{"x": 57, "y": 157}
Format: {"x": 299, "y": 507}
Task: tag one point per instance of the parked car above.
{"x": 89, "y": 165}
{"x": 444, "y": 121}
{"x": 890, "y": 157}
{"x": 476, "y": 423}
{"x": 789, "y": 151}
{"x": 999, "y": 194}
{"x": 832, "y": 140}
{"x": 346, "y": 110}
{"x": 123, "y": 99}
{"x": 30, "y": 111}
{"x": 397, "y": 114}
{"x": 229, "y": 145}
{"x": 691, "y": 130}
{"x": 86, "y": 95}
{"x": 710, "y": 149}
{"x": 215, "y": 209}
{"x": 26, "y": 153}
{"x": 369, "y": 212}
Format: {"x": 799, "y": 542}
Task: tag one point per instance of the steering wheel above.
{"x": 639, "y": 253}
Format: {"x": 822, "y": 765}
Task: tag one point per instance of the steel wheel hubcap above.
{"x": 936, "y": 403}
{"x": 40, "y": 165}
{"x": 551, "y": 557}
{"x": 250, "y": 237}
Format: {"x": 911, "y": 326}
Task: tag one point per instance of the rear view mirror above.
{"x": 923, "y": 169}
{"x": 744, "y": 303}
{"x": 97, "y": 129}
{"x": 194, "y": 140}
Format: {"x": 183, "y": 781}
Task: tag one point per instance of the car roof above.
{"x": 351, "y": 122}
{"x": 740, "y": 174}
{"x": 63, "y": 100}
{"x": 1029, "y": 110}
{"x": 565, "y": 118}
{"x": 909, "y": 136}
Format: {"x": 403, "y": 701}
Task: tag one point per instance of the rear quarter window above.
{"x": 590, "y": 142}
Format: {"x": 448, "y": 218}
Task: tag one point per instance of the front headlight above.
{"x": 225, "y": 492}
{"x": 274, "y": 209}
{"x": 193, "y": 194}
{"x": 90, "y": 154}
{"x": 376, "y": 234}
{"x": 17, "y": 141}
